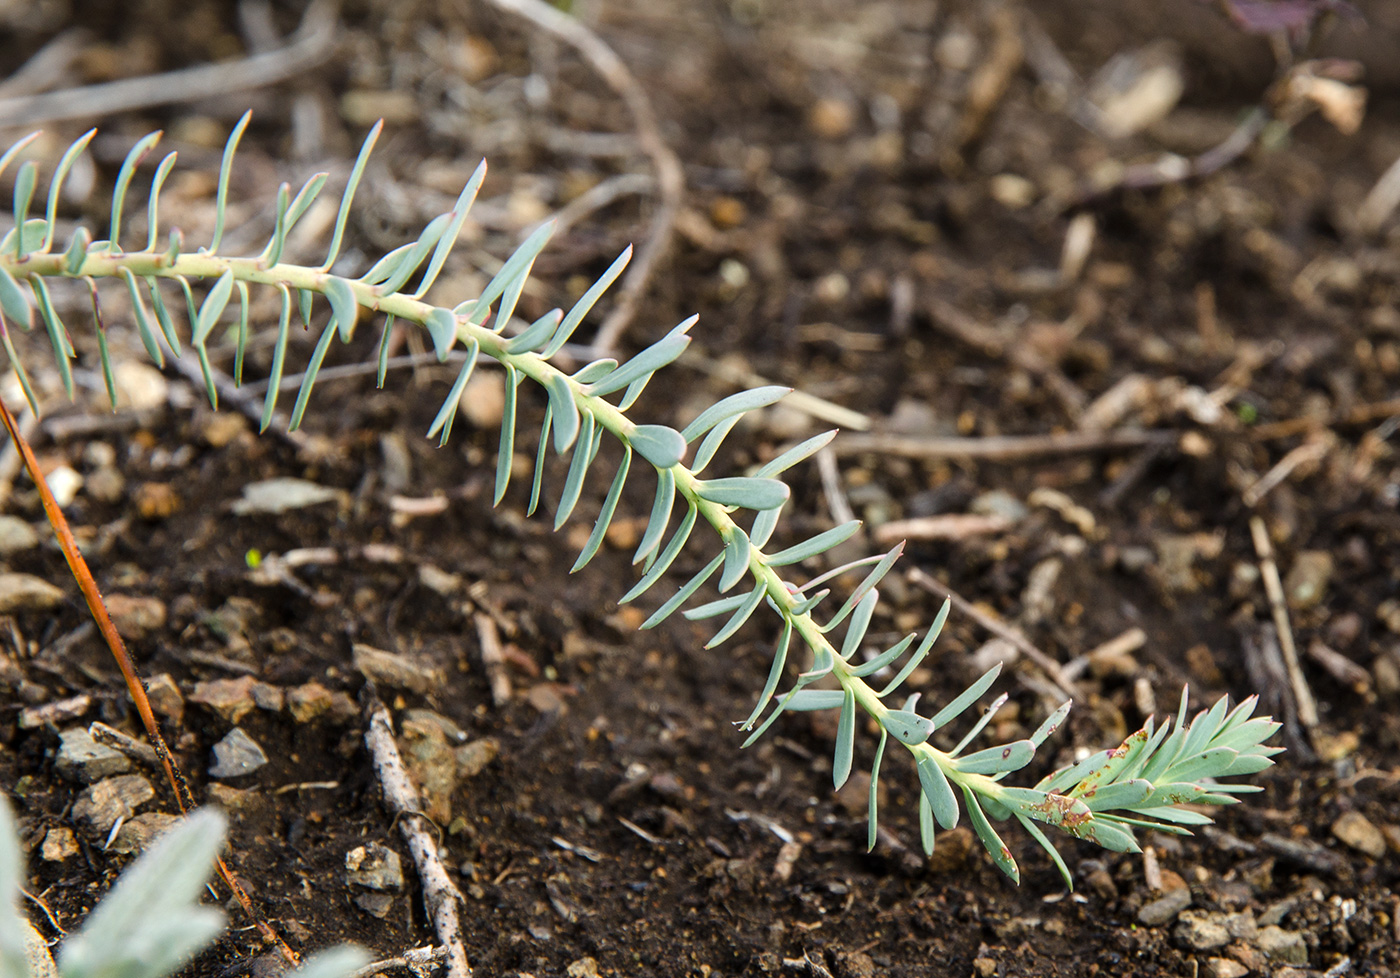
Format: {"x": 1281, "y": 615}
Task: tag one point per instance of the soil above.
{"x": 881, "y": 207}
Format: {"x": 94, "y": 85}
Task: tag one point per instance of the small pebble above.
{"x": 1165, "y": 908}
{"x": 103, "y": 803}
{"x": 106, "y": 485}
{"x": 156, "y": 500}
{"x": 65, "y": 483}
{"x": 166, "y": 698}
{"x": 483, "y": 400}
{"x": 59, "y": 844}
{"x": 312, "y": 701}
{"x": 137, "y": 833}
{"x": 1201, "y": 930}
{"x": 1224, "y": 968}
{"x": 236, "y": 755}
{"x": 1282, "y": 945}
{"x": 282, "y": 494}
{"x": 396, "y": 671}
{"x": 375, "y": 867}
{"x": 135, "y": 616}
{"x": 140, "y": 386}
{"x": 80, "y": 758}
{"x": 16, "y": 535}
{"x": 1307, "y": 580}
{"x": 832, "y": 118}
{"x": 25, "y": 592}
{"x": 1357, "y": 831}
{"x": 582, "y": 968}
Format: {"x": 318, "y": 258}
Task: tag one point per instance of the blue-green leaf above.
{"x": 443, "y": 421}
{"x": 505, "y": 455}
{"x": 454, "y": 227}
{"x": 646, "y": 363}
{"x": 998, "y": 760}
{"x": 660, "y": 514}
{"x": 751, "y": 601}
{"x": 566, "y": 413}
{"x": 214, "y": 304}
{"x": 731, "y": 406}
{"x": 535, "y": 334}
{"x": 845, "y": 740}
{"x": 1001, "y": 856}
{"x": 345, "y": 310}
{"x": 605, "y": 515}
{"x": 967, "y": 697}
{"x": 938, "y": 792}
{"x": 681, "y": 596}
{"x": 908, "y": 727}
{"x": 663, "y": 447}
{"x": 584, "y": 304}
{"x": 813, "y": 546}
{"x": 794, "y": 455}
{"x": 441, "y": 325}
{"x": 748, "y": 493}
{"x": 667, "y": 557}
{"x": 13, "y": 302}
{"x": 872, "y": 818}
{"x": 737, "y": 552}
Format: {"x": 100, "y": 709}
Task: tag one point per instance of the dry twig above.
{"x": 493, "y": 658}
{"x": 670, "y": 178}
{"x": 1001, "y": 448}
{"x": 309, "y": 46}
{"x": 1273, "y": 587}
{"x": 998, "y": 628}
{"x": 440, "y": 895}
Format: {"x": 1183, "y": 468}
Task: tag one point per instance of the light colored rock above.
{"x": 1165, "y": 908}
{"x": 233, "y": 699}
{"x": 103, "y": 803}
{"x": 1307, "y": 580}
{"x": 396, "y": 671}
{"x": 1224, "y": 968}
{"x": 166, "y": 698}
{"x": 236, "y": 755}
{"x": 80, "y": 758}
{"x": 58, "y": 845}
{"x": 106, "y": 485}
{"x": 483, "y": 400}
{"x": 1282, "y": 945}
{"x": 472, "y": 758}
{"x": 282, "y": 494}
{"x": 65, "y": 483}
{"x": 1358, "y": 832}
{"x": 16, "y": 535}
{"x": 137, "y": 833}
{"x": 135, "y": 616}
{"x": 375, "y": 867}
{"x": 140, "y": 386}
{"x": 25, "y": 592}
{"x": 312, "y": 701}
{"x": 1201, "y": 930}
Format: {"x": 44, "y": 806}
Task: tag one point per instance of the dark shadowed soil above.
{"x": 900, "y": 208}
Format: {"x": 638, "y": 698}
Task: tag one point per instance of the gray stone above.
{"x": 1307, "y": 580}
{"x": 236, "y": 755}
{"x": 137, "y": 833}
{"x": 25, "y": 592}
{"x": 16, "y": 535}
{"x": 106, "y": 485}
{"x": 103, "y": 803}
{"x": 1282, "y": 945}
{"x": 375, "y": 867}
{"x": 1357, "y": 831}
{"x": 377, "y": 904}
{"x": 282, "y": 494}
{"x": 1165, "y": 908}
{"x": 998, "y": 502}
{"x": 80, "y": 758}
{"x": 396, "y": 671}
{"x": 1202, "y": 930}
{"x": 1224, "y": 968}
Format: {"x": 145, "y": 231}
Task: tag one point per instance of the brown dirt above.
{"x": 837, "y": 173}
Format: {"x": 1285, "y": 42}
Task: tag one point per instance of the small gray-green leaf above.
{"x": 749, "y": 493}
{"x": 938, "y": 792}
{"x": 908, "y": 727}
{"x": 343, "y": 305}
{"x": 15, "y": 303}
{"x": 663, "y": 447}
{"x": 442, "y": 327}
{"x": 818, "y": 544}
{"x": 1000, "y": 759}
{"x": 845, "y": 741}
{"x": 213, "y": 308}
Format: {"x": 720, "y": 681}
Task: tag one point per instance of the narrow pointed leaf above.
{"x": 872, "y": 816}
{"x": 938, "y": 792}
{"x": 751, "y": 601}
{"x": 650, "y": 360}
{"x": 967, "y": 697}
{"x": 748, "y": 493}
{"x": 813, "y": 546}
{"x": 348, "y": 197}
{"x": 279, "y": 359}
{"x": 443, "y": 421}
{"x": 505, "y": 454}
{"x": 605, "y": 515}
{"x": 449, "y": 237}
{"x": 845, "y": 741}
{"x": 796, "y": 454}
{"x": 345, "y": 310}
{"x": 213, "y": 308}
{"x": 667, "y": 557}
{"x": 660, "y": 512}
{"x": 737, "y": 552}
{"x": 581, "y": 308}
{"x": 225, "y": 169}
{"x": 1001, "y": 856}
{"x": 998, "y": 760}
{"x": 681, "y": 596}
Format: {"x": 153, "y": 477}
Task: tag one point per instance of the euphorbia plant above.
{"x": 1104, "y": 798}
